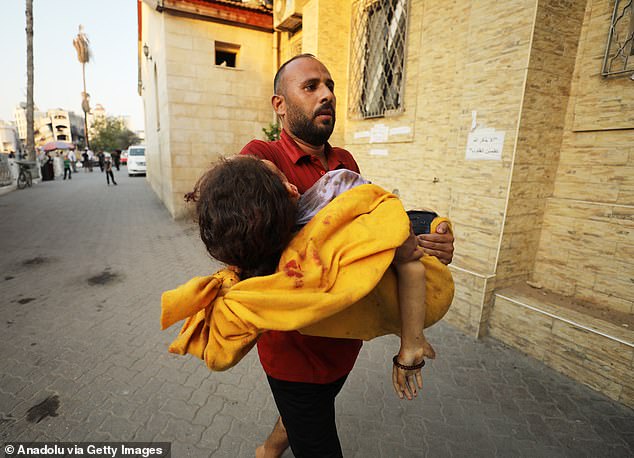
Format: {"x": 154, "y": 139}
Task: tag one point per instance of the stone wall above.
{"x": 586, "y": 249}
{"x": 207, "y": 110}
{"x": 541, "y": 126}
{"x": 461, "y": 58}
{"x": 156, "y": 107}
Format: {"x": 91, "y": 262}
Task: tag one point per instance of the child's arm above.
{"x": 406, "y": 373}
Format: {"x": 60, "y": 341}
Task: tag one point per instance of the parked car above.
{"x": 124, "y": 157}
{"x": 136, "y": 160}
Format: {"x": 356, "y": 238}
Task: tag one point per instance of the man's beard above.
{"x": 306, "y": 128}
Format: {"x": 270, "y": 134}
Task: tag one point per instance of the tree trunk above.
{"x": 30, "y": 134}
{"x": 83, "y": 74}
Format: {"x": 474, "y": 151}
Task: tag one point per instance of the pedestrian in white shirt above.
{"x": 91, "y": 157}
{"x": 73, "y": 160}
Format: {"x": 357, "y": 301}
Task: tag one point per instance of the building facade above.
{"x": 60, "y": 125}
{"x": 97, "y": 113}
{"x": 77, "y": 128}
{"x": 206, "y": 72}
{"x": 9, "y": 140}
{"x": 53, "y": 125}
{"x": 513, "y": 118}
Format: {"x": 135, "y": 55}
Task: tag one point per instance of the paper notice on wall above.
{"x": 379, "y": 152}
{"x": 485, "y": 144}
{"x": 403, "y": 130}
{"x": 362, "y": 134}
{"x": 379, "y": 133}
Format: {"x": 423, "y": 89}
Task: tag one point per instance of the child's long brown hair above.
{"x": 245, "y": 215}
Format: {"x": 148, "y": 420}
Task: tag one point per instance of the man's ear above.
{"x": 279, "y": 104}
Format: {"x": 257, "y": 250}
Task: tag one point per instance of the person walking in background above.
{"x": 91, "y": 158}
{"x": 48, "y": 171}
{"x": 67, "y": 167}
{"x": 84, "y": 157}
{"x": 102, "y": 159}
{"x": 73, "y": 160}
{"x": 108, "y": 167}
{"x": 116, "y": 157}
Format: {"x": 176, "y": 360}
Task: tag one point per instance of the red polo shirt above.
{"x": 292, "y": 356}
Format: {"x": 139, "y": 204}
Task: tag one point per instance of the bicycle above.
{"x": 24, "y": 177}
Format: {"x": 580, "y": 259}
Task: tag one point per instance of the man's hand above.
{"x": 439, "y": 244}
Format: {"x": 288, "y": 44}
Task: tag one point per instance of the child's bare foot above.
{"x": 406, "y": 372}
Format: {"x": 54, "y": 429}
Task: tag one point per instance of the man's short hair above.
{"x": 244, "y": 214}
{"x": 277, "y": 81}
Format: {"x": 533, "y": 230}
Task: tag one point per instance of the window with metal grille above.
{"x": 620, "y": 46}
{"x": 377, "y": 61}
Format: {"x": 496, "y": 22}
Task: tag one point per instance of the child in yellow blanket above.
{"x": 252, "y": 233}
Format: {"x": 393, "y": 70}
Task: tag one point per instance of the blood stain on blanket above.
{"x": 292, "y": 269}
{"x": 47, "y": 408}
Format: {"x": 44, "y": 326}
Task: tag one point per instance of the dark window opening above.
{"x": 226, "y": 58}
{"x": 226, "y": 54}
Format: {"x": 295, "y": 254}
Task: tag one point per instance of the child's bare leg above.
{"x": 414, "y": 346}
{"x": 275, "y": 444}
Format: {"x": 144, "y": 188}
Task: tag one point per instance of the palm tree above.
{"x": 82, "y": 45}
{"x": 30, "y": 134}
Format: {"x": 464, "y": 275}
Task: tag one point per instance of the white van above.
{"x": 136, "y": 160}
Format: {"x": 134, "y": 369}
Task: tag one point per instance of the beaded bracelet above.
{"x": 407, "y": 368}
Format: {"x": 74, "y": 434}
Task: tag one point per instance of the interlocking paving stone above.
{"x": 97, "y": 346}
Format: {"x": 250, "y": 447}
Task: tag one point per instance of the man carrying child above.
{"x": 307, "y": 372}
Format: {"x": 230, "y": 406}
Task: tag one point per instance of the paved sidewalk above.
{"x": 81, "y": 272}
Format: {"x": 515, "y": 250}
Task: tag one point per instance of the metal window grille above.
{"x": 377, "y": 61}
{"x": 620, "y": 46}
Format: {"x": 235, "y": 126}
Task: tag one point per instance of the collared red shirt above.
{"x": 290, "y": 355}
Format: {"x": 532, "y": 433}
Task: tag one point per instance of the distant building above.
{"x": 9, "y": 140}
{"x": 127, "y": 121}
{"x": 53, "y": 125}
{"x": 20, "y": 119}
{"x": 60, "y": 125}
{"x": 98, "y": 112}
{"x": 77, "y": 129}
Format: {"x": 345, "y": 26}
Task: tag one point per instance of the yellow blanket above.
{"x": 325, "y": 285}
